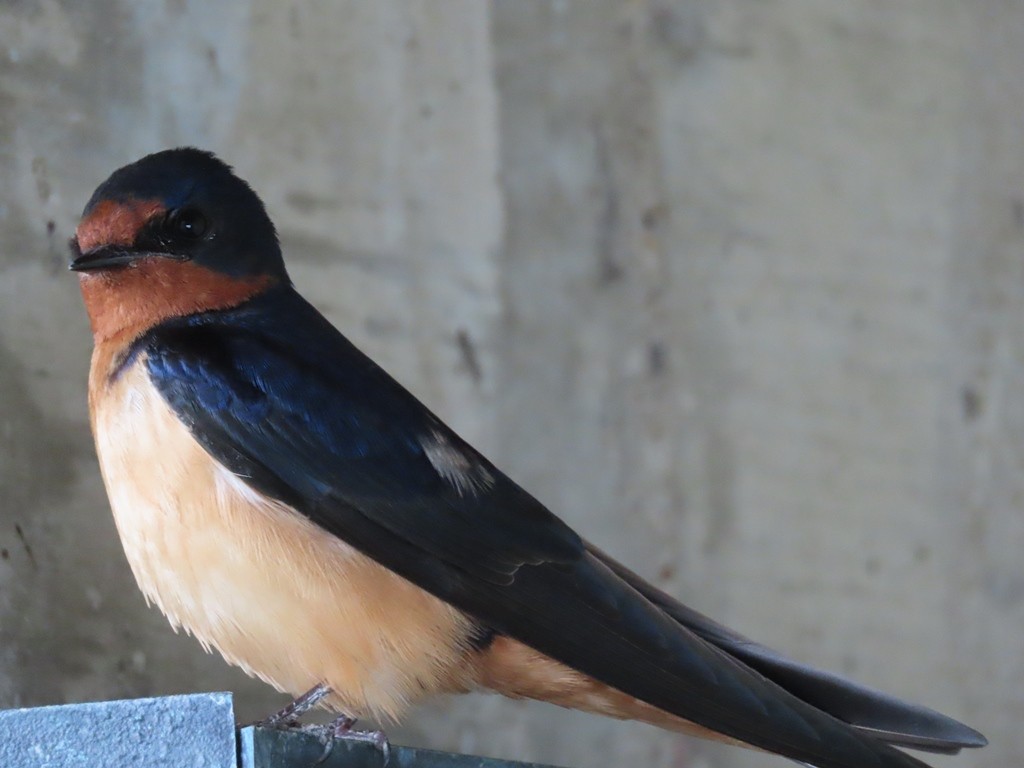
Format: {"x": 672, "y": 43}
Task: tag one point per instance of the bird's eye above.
{"x": 188, "y": 223}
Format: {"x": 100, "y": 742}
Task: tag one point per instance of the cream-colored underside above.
{"x": 246, "y": 575}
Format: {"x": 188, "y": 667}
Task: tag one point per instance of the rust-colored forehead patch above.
{"x": 115, "y": 222}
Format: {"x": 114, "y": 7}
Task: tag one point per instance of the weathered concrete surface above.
{"x": 735, "y": 287}
{"x": 195, "y": 731}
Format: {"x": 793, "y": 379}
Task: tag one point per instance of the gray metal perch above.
{"x": 195, "y": 731}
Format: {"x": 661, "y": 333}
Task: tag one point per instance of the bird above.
{"x": 284, "y": 500}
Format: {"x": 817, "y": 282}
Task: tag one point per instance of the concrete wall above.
{"x": 735, "y": 287}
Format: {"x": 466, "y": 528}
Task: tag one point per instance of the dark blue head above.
{"x": 182, "y": 204}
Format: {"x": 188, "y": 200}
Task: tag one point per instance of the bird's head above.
{"x": 173, "y": 234}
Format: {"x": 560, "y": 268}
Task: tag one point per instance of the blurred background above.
{"x": 736, "y": 287}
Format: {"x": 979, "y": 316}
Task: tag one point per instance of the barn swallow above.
{"x": 287, "y": 502}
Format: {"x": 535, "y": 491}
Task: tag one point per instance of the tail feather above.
{"x": 885, "y": 717}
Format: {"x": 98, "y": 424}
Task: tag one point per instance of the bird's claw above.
{"x": 341, "y": 729}
{"x": 287, "y": 718}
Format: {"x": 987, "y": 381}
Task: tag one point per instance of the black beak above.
{"x": 110, "y": 256}
{"x": 102, "y": 258}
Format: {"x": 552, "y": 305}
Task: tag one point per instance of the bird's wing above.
{"x": 282, "y": 399}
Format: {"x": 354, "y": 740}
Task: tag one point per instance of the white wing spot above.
{"x": 462, "y": 472}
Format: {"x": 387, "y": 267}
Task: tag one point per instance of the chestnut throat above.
{"x": 126, "y": 302}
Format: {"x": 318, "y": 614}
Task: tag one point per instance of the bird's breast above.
{"x": 274, "y": 593}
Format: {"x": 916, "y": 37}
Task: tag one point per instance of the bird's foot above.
{"x": 341, "y": 729}
{"x": 288, "y": 717}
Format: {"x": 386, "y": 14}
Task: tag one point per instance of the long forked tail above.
{"x": 885, "y": 717}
